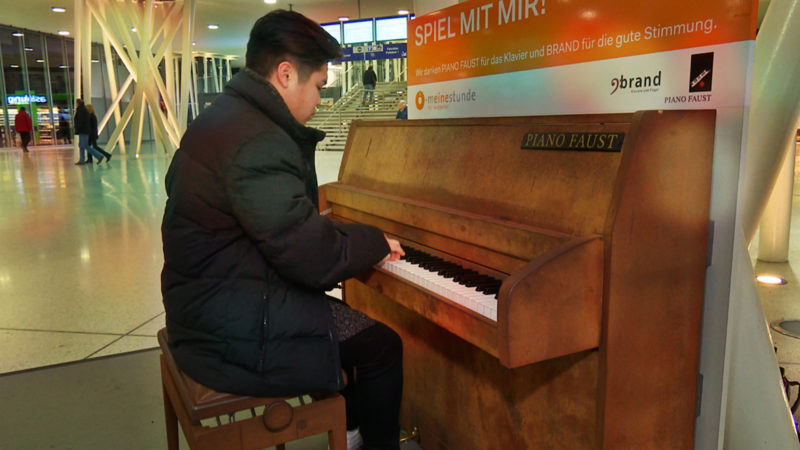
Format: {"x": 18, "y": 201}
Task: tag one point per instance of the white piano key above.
{"x": 471, "y": 298}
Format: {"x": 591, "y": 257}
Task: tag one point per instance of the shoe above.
{"x": 99, "y": 161}
{"x": 80, "y": 163}
{"x": 108, "y": 158}
{"x": 354, "y": 441}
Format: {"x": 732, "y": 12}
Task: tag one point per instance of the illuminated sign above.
{"x": 24, "y": 99}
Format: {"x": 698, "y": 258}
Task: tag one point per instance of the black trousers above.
{"x": 373, "y": 360}
{"x": 25, "y": 138}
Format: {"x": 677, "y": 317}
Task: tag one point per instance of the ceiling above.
{"x": 234, "y": 17}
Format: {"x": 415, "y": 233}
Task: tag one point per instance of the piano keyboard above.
{"x": 466, "y": 287}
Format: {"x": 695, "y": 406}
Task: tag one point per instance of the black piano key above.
{"x": 447, "y": 269}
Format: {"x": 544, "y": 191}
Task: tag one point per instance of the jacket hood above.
{"x": 252, "y": 87}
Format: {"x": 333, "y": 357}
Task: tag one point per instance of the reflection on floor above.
{"x": 80, "y": 263}
{"x": 81, "y": 258}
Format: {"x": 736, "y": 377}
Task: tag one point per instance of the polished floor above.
{"x": 80, "y": 260}
{"x": 81, "y": 254}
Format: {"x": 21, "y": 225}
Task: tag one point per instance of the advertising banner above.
{"x": 521, "y": 57}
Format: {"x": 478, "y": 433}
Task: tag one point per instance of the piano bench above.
{"x": 188, "y": 402}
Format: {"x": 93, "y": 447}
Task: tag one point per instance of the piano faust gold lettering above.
{"x": 579, "y": 325}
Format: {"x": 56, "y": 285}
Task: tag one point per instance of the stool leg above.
{"x": 170, "y": 418}
{"x": 280, "y": 447}
{"x": 337, "y": 437}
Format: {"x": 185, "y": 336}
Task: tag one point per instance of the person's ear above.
{"x": 284, "y": 73}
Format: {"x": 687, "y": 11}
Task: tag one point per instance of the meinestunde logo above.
{"x": 636, "y": 83}
{"x": 701, "y": 72}
{"x": 419, "y": 100}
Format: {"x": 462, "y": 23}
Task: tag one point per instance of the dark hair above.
{"x": 289, "y": 36}
{"x": 79, "y": 101}
{"x": 21, "y": 108}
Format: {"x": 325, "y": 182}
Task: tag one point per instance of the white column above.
{"x": 773, "y": 235}
{"x": 774, "y": 107}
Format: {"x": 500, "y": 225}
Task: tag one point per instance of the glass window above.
{"x": 59, "y": 71}
{"x": 12, "y": 68}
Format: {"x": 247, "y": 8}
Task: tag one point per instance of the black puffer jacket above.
{"x": 247, "y": 257}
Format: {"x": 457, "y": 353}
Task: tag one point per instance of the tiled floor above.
{"x": 81, "y": 254}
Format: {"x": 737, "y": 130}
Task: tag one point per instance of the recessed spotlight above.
{"x": 212, "y": 26}
{"x": 63, "y": 66}
{"x": 63, "y": 33}
{"x": 40, "y": 60}
{"x": 770, "y": 280}
{"x": 270, "y": 2}
{"x": 17, "y": 34}
{"x": 344, "y": 19}
{"x": 14, "y": 66}
{"x": 58, "y": 9}
{"x": 28, "y": 49}
{"x": 194, "y": 43}
{"x": 134, "y": 29}
{"x": 95, "y": 60}
{"x": 403, "y": 12}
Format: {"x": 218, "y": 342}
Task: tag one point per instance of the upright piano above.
{"x": 553, "y": 293}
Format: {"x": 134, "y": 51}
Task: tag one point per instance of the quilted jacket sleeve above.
{"x": 268, "y": 197}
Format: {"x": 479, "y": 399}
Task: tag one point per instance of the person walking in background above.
{"x": 63, "y": 127}
{"x": 402, "y": 110}
{"x": 93, "y": 135}
{"x": 369, "y": 80}
{"x": 24, "y": 127}
{"x": 83, "y": 125}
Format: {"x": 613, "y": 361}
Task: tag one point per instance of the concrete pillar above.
{"x": 774, "y": 108}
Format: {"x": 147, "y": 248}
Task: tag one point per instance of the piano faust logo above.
{"x": 419, "y": 100}
{"x": 701, "y": 71}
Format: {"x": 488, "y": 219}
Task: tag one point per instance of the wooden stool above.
{"x": 189, "y": 402}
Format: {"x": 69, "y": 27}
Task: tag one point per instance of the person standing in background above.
{"x": 369, "y": 80}
{"x": 24, "y": 126}
{"x": 93, "y": 135}
{"x": 402, "y": 110}
{"x": 83, "y": 125}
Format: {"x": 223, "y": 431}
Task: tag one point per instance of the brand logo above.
{"x": 701, "y": 72}
{"x": 419, "y": 100}
{"x": 636, "y": 83}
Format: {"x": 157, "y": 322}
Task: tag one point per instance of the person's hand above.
{"x": 395, "y": 250}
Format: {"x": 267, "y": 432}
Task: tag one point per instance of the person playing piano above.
{"x": 247, "y": 257}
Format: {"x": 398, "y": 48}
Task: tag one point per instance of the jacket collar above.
{"x": 256, "y": 90}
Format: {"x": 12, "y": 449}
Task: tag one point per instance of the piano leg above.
{"x": 462, "y": 398}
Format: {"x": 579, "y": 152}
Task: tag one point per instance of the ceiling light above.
{"x": 403, "y": 12}
{"x": 40, "y": 60}
{"x": 194, "y": 43}
{"x": 63, "y": 66}
{"x": 14, "y": 66}
{"x": 211, "y": 26}
{"x": 28, "y": 49}
{"x": 17, "y": 34}
{"x": 343, "y": 19}
{"x": 133, "y": 29}
{"x": 58, "y": 9}
{"x": 770, "y": 280}
{"x": 63, "y": 33}
{"x": 270, "y": 2}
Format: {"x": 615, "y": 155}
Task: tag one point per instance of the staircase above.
{"x": 335, "y": 120}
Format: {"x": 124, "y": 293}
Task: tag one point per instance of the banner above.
{"x": 521, "y": 57}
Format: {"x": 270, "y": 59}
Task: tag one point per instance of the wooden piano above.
{"x": 594, "y": 229}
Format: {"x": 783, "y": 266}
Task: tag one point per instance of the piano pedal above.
{"x": 414, "y": 434}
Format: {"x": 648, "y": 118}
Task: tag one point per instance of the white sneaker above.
{"x": 354, "y": 441}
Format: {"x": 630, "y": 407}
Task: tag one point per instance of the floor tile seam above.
{"x": 131, "y": 332}
{"x": 40, "y": 330}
